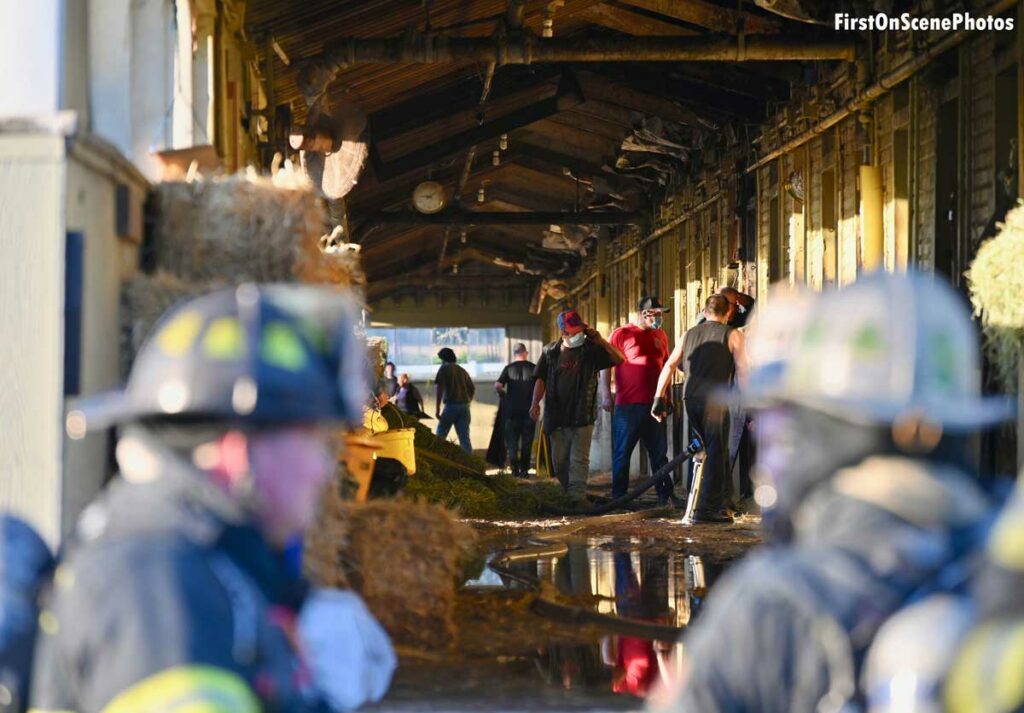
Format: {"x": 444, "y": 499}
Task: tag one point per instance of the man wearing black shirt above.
{"x": 516, "y": 388}
{"x": 567, "y": 382}
{"x": 389, "y": 383}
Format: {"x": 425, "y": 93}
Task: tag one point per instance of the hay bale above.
{"x": 238, "y": 228}
{"x": 996, "y": 279}
{"x": 404, "y": 559}
{"x": 377, "y": 356}
{"x": 144, "y": 299}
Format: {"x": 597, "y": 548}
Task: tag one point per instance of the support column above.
{"x": 601, "y": 445}
{"x": 152, "y": 52}
{"x": 110, "y": 67}
{"x": 182, "y": 135}
{"x": 203, "y": 82}
{"x": 872, "y": 234}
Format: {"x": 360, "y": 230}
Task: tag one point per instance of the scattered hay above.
{"x": 996, "y": 279}
{"x": 404, "y": 558}
{"x": 447, "y": 475}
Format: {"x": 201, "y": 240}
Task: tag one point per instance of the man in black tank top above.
{"x": 709, "y": 354}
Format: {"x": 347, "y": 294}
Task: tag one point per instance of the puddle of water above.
{"x": 615, "y": 578}
{"x": 626, "y": 578}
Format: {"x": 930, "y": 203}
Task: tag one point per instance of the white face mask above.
{"x": 575, "y": 340}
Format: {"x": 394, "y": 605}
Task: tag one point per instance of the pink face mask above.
{"x": 289, "y": 468}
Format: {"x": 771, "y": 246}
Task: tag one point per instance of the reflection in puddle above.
{"x": 617, "y": 579}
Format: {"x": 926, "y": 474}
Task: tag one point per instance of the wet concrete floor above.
{"x": 584, "y": 617}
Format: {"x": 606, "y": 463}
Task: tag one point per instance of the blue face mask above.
{"x": 655, "y": 323}
{"x": 575, "y": 340}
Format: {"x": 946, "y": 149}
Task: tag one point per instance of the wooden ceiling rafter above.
{"x": 414, "y": 108}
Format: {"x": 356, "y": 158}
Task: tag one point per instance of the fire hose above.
{"x": 663, "y": 472}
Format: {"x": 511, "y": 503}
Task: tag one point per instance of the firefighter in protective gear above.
{"x": 172, "y": 593}
{"x": 912, "y": 652}
{"x": 862, "y": 434}
{"x": 986, "y": 676}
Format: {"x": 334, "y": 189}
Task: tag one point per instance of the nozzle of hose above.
{"x": 695, "y": 446}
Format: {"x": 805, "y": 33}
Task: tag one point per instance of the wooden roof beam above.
{"x": 461, "y": 218}
{"x": 568, "y": 96}
{"x": 622, "y": 19}
{"x": 710, "y": 15}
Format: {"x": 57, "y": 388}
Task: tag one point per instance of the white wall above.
{"x": 94, "y": 170}
{"x": 31, "y": 327}
{"x": 30, "y": 57}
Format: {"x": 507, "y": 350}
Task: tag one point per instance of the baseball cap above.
{"x": 570, "y": 322}
{"x": 651, "y": 302}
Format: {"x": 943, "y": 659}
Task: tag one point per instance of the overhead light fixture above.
{"x": 462, "y": 237}
{"x": 503, "y": 142}
{"x": 496, "y": 158}
{"x": 480, "y": 195}
{"x": 548, "y": 29}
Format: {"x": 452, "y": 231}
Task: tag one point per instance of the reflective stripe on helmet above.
{"x": 195, "y": 689}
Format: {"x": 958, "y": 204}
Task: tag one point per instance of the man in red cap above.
{"x": 567, "y": 381}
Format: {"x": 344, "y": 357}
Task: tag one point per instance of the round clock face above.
{"x": 429, "y": 197}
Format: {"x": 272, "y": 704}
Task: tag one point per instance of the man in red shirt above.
{"x": 645, "y": 346}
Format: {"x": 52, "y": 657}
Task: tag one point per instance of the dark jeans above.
{"x": 632, "y": 423}
{"x": 455, "y": 415}
{"x": 712, "y": 426}
{"x": 518, "y": 441}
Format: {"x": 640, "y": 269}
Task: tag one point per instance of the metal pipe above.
{"x": 528, "y": 48}
{"x": 886, "y": 83}
{"x": 464, "y": 218}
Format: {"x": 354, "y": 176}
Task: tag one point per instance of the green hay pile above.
{"x": 996, "y": 280}
{"x": 447, "y": 475}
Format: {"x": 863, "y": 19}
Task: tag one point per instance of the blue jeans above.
{"x": 455, "y": 415}
{"x": 630, "y": 424}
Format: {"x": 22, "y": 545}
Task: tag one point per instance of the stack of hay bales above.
{"x": 404, "y": 558}
{"x": 996, "y": 280}
{"x": 222, "y": 231}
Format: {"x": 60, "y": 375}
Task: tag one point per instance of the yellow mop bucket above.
{"x": 397, "y": 443}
